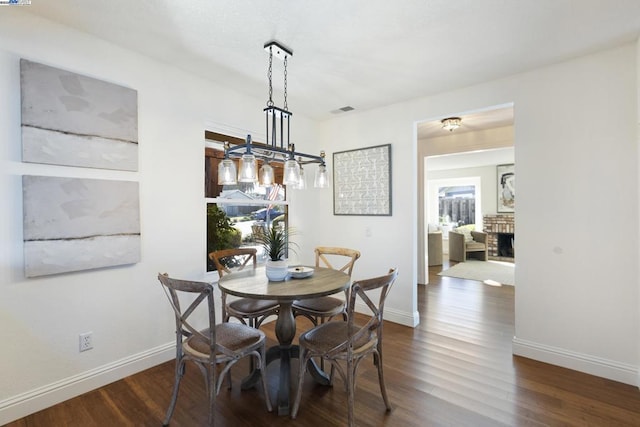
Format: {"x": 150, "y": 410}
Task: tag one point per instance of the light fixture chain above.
{"x": 270, "y": 75}
{"x": 285, "y": 83}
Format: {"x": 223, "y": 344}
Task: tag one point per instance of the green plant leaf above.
{"x": 275, "y": 242}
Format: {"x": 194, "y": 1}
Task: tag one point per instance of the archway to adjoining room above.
{"x": 471, "y": 152}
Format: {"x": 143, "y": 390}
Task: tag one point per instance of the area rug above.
{"x": 494, "y": 273}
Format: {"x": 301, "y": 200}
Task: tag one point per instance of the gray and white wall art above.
{"x": 362, "y": 181}
{"x": 74, "y": 120}
{"x": 73, "y": 224}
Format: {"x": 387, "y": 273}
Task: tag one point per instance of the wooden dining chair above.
{"x": 321, "y": 309}
{"x": 248, "y": 310}
{"x": 223, "y": 344}
{"x": 345, "y": 344}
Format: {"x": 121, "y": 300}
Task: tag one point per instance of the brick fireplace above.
{"x": 500, "y": 229}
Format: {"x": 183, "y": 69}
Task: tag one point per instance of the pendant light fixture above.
{"x": 278, "y": 148}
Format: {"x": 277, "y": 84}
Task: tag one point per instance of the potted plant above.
{"x": 275, "y": 242}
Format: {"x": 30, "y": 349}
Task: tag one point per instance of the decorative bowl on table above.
{"x": 300, "y": 272}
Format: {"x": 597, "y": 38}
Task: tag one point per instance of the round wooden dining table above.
{"x": 253, "y": 283}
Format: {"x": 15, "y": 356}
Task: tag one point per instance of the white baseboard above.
{"x": 402, "y": 317}
{"x": 43, "y": 397}
{"x": 395, "y": 316}
{"x": 616, "y": 371}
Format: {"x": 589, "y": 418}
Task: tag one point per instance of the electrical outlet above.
{"x": 86, "y": 341}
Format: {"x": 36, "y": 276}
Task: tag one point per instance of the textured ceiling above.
{"x": 359, "y": 53}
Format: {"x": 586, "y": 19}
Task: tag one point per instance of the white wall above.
{"x": 123, "y": 306}
{"x": 384, "y": 241}
{"x": 578, "y": 307}
{"x": 575, "y": 149}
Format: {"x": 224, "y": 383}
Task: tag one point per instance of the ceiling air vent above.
{"x": 343, "y": 110}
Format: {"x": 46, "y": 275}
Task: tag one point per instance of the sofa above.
{"x": 467, "y": 244}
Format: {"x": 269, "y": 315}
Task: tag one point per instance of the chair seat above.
{"x": 461, "y": 247}
{"x": 233, "y": 336}
{"x": 321, "y": 305}
{"x": 249, "y": 311}
{"x": 248, "y": 305}
{"x": 327, "y": 336}
{"x": 475, "y": 246}
{"x": 321, "y": 309}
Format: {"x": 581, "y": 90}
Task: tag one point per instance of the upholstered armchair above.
{"x": 462, "y": 248}
{"x": 434, "y": 248}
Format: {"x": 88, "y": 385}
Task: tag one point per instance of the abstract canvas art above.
{"x": 73, "y": 224}
{"x": 362, "y": 181}
{"x": 74, "y": 120}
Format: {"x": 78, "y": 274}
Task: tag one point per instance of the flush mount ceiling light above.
{"x": 451, "y": 123}
{"x": 278, "y": 147}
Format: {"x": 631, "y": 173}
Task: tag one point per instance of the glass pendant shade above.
{"x": 266, "y": 175}
{"x": 248, "y": 171}
{"x": 227, "y": 172}
{"x": 302, "y": 182}
{"x": 291, "y": 173}
{"x": 322, "y": 177}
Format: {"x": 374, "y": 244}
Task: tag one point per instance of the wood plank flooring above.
{"x": 454, "y": 369}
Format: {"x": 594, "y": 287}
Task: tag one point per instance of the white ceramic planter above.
{"x": 277, "y": 270}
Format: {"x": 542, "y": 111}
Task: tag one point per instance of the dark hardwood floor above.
{"x": 454, "y": 369}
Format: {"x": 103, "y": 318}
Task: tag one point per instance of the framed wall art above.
{"x": 362, "y": 181}
{"x": 70, "y": 119}
{"x": 506, "y": 188}
{"x": 73, "y": 224}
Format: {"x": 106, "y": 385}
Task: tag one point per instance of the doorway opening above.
{"x": 484, "y": 140}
